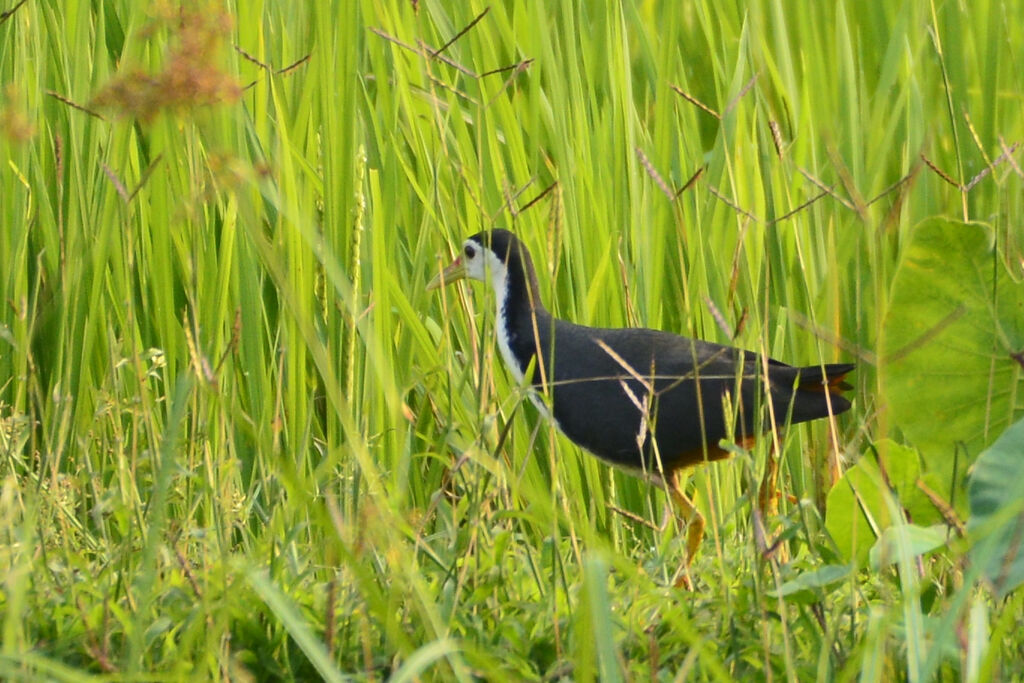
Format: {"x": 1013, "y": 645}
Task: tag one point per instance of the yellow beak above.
{"x": 456, "y": 271}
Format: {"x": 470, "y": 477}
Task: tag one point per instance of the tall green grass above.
{"x": 240, "y": 440}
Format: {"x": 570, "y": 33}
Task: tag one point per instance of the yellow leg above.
{"x": 694, "y": 521}
{"x": 768, "y": 509}
{"x": 768, "y": 494}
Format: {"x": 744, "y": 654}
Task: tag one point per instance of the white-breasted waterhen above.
{"x": 651, "y": 402}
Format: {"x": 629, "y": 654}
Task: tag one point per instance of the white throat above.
{"x": 499, "y": 282}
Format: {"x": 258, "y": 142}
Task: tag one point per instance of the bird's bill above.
{"x": 456, "y": 271}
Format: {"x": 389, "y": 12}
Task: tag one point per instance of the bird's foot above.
{"x": 683, "y": 581}
{"x": 768, "y": 499}
{"x": 769, "y": 548}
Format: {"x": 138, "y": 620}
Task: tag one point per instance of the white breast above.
{"x": 499, "y": 281}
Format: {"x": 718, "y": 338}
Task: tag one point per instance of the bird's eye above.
{"x": 469, "y": 251}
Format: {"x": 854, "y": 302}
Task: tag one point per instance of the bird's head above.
{"x": 486, "y": 255}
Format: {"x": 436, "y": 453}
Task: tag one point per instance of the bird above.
{"x": 650, "y": 402}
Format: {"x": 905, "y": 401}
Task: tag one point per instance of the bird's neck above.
{"x": 522, "y": 320}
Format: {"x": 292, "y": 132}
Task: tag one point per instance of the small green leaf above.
{"x": 855, "y": 512}
{"x": 978, "y": 633}
{"x": 423, "y": 659}
{"x": 907, "y": 538}
{"x": 819, "y": 578}
{"x": 861, "y": 506}
{"x": 290, "y": 616}
{"x": 599, "y": 608}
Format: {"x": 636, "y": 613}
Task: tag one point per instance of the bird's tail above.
{"x": 831, "y": 378}
{"x": 819, "y": 391}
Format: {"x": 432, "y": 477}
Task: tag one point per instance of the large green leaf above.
{"x": 954, "y": 325}
{"x": 996, "y": 496}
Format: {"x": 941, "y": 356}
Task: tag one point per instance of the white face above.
{"x": 478, "y": 262}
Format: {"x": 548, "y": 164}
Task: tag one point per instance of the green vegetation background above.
{"x": 239, "y": 440}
